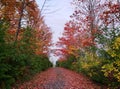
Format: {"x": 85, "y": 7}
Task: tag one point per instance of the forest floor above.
{"x": 60, "y": 78}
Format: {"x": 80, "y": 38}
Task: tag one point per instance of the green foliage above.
{"x": 112, "y": 68}
{"x": 3, "y": 27}
{"x": 90, "y": 65}
{"x": 103, "y": 67}
{"x": 40, "y": 63}
{"x": 101, "y": 64}
{"x": 18, "y": 62}
{"x": 5, "y": 78}
{"x": 67, "y": 63}
{"x": 108, "y": 35}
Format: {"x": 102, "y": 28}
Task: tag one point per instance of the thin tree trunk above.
{"x": 19, "y": 21}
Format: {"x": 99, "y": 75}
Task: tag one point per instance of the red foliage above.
{"x": 111, "y": 14}
{"x": 12, "y": 31}
{"x": 88, "y": 20}
{"x": 74, "y": 39}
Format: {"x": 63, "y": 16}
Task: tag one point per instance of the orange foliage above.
{"x": 43, "y": 39}
{"x": 27, "y": 10}
{"x": 11, "y": 11}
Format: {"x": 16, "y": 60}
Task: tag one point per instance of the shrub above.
{"x": 112, "y": 68}
{"x": 18, "y": 62}
{"x": 68, "y": 63}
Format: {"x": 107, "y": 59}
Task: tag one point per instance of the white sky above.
{"x": 56, "y": 13}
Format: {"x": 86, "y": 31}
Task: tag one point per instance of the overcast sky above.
{"x": 56, "y": 13}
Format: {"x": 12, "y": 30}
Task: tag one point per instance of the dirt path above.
{"x": 59, "y": 78}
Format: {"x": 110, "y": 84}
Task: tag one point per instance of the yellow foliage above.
{"x": 89, "y": 61}
{"x": 117, "y": 43}
{"x": 109, "y": 68}
{"x": 113, "y": 67}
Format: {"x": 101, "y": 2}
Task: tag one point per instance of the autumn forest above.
{"x": 88, "y": 48}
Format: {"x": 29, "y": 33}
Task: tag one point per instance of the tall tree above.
{"x": 73, "y": 40}
{"x": 87, "y": 14}
{"x": 20, "y": 13}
